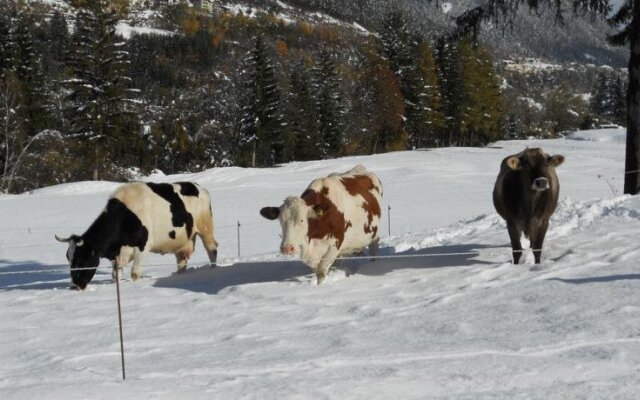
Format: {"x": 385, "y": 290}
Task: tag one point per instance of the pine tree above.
{"x": 431, "y": 99}
{"x": 102, "y": 104}
{"x": 607, "y": 98}
{"x": 400, "y": 47}
{"x": 450, "y": 83}
{"x": 381, "y": 107}
{"x": 560, "y": 108}
{"x": 482, "y": 106}
{"x": 329, "y": 105}
{"x": 261, "y": 124}
{"x": 25, "y": 61}
{"x": 59, "y": 41}
{"x": 4, "y": 36}
{"x": 620, "y": 101}
{"x": 301, "y": 114}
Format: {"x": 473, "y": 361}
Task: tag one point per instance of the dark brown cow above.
{"x": 525, "y": 195}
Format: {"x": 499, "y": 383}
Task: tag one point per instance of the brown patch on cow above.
{"x": 363, "y": 185}
{"x": 330, "y": 222}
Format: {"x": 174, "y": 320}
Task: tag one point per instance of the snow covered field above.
{"x": 467, "y": 326}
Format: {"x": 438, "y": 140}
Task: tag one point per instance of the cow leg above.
{"x": 183, "y": 255}
{"x": 514, "y": 235}
{"x": 123, "y": 258}
{"x": 136, "y": 270}
{"x": 205, "y": 231}
{"x": 211, "y": 245}
{"x": 322, "y": 269}
{"x": 181, "y": 259}
{"x": 538, "y": 239}
{"x": 374, "y": 247}
{"x": 116, "y": 271}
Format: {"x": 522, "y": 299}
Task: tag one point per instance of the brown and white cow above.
{"x": 526, "y": 195}
{"x": 335, "y": 216}
{"x": 142, "y": 218}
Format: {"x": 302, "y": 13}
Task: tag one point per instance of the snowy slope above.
{"x": 470, "y": 325}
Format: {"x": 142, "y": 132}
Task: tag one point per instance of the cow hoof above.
{"x": 135, "y": 275}
{"x": 181, "y": 270}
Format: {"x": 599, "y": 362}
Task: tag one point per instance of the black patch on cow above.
{"x": 172, "y": 234}
{"x": 115, "y": 227}
{"x": 179, "y": 214}
{"x": 188, "y": 189}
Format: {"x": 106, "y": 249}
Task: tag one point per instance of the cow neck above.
{"x": 97, "y": 233}
{"x": 102, "y": 231}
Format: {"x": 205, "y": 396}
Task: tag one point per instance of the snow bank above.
{"x": 464, "y": 325}
{"x": 600, "y": 135}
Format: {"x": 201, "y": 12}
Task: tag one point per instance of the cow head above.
{"x": 294, "y": 215}
{"x": 80, "y": 255}
{"x": 536, "y": 167}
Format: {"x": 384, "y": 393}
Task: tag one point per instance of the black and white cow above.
{"x": 142, "y": 218}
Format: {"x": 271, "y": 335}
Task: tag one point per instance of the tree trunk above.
{"x": 253, "y": 154}
{"x": 632, "y": 175}
{"x": 96, "y": 161}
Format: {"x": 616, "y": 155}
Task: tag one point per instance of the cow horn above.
{"x": 59, "y": 239}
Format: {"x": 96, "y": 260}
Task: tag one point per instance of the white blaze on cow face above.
{"x": 293, "y": 220}
{"x": 71, "y": 250}
{"x": 294, "y": 216}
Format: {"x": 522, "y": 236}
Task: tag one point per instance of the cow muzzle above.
{"x": 540, "y": 184}
{"x": 287, "y": 249}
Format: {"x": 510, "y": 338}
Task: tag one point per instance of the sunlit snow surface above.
{"x": 467, "y": 326}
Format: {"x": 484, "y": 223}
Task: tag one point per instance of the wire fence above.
{"x": 506, "y": 251}
{"x": 50, "y": 230}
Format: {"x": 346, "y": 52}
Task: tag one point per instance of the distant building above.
{"x": 162, "y": 3}
{"x": 206, "y": 5}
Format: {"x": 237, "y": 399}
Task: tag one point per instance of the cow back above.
{"x": 349, "y": 208}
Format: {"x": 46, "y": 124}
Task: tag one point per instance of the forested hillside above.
{"x": 109, "y": 89}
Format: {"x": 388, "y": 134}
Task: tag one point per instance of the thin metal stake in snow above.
{"x": 120, "y": 321}
{"x": 389, "y": 218}
{"x": 238, "y": 238}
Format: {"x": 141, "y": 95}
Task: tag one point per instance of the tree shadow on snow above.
{"x": 213, "y": 280}
{"x": 598, "y": 279}
{"x": 32, "y": 275}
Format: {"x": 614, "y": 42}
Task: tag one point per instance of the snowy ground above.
{"x": 467, "y": 326}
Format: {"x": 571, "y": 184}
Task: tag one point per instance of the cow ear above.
{"x": 316, "y": 212}
{"x": 556, "y": 160}
{"x": 270, "y": 212}
{"x": 514, "y": 163}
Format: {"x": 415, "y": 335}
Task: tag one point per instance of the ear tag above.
{"x": 319, "y": 212}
